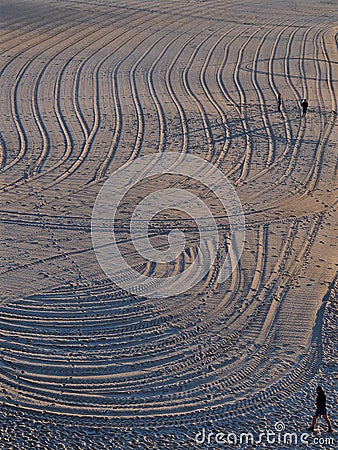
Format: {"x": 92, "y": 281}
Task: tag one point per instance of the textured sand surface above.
{"x": 87, "y": 86}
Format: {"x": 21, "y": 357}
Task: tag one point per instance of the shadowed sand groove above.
{"x": 88, "y": 86}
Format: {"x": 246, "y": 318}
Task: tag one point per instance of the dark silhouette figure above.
{"x": 321, "y": 410}
{"x": 279, "y": 101}
{"x": 304, "y": 105}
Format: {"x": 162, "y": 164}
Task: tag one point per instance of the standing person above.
{"x": 304, "y": 105}
{"x": 279, "y": 101}
{"x": 321, "y": 410}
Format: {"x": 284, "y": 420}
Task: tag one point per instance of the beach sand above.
{"x": 89, "y": 86}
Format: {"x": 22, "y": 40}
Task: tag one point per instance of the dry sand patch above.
{"x": 87, "y": 87}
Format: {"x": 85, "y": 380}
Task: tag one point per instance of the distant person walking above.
{"x": 304, "y": 105}
{"x": 321, "y": 410}
{"x": 279, "y": 101}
